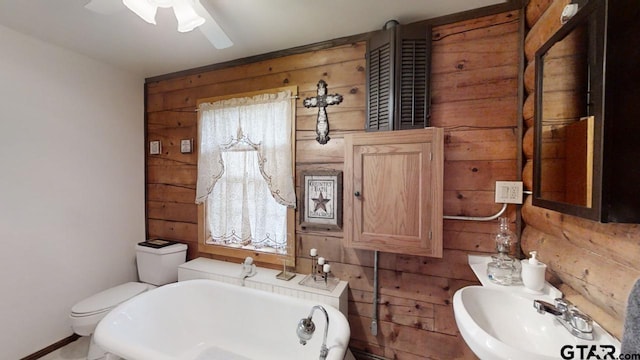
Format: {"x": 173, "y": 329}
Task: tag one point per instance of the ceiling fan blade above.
{"x": 211, "y": 30}
{"x": 105, "y": 7}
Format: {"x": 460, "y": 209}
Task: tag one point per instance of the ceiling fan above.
{"x": 190, "y": 14}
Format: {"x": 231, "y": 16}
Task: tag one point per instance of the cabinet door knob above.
{"x": 357, "y": 193}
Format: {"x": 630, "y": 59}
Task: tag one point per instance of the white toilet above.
{"x": 156, "y": 266}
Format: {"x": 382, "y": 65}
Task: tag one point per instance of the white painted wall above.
{"x": 71, "y": 186}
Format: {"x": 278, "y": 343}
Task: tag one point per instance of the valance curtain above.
{"x": 245, "y": 156}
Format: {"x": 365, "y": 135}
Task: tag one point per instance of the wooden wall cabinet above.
{"x": 393, "y": 183}
{"x": 398, "y": 69}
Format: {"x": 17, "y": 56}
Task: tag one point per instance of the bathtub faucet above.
{"x": 306, "y": 328}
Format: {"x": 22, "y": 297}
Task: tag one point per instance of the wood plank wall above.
{"x": 595, "y": 264}
{"x": 475, "y": 98}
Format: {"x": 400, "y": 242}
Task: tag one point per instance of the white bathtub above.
{"x": 210, "y": 320}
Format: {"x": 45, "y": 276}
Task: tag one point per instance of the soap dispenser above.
{"x": 533, "y": 273}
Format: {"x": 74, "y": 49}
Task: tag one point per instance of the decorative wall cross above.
{"x": 321, "y": 102}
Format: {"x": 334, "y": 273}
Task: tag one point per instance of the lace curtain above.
{"x": 244, "y": 170}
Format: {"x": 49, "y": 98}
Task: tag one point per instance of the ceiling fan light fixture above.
{"x": 143, "y": 8}
{"x": 188, "y": 18}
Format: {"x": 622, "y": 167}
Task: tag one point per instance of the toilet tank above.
{"x": 159, "y": 266}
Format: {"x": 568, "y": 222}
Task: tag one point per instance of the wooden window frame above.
{"x": 237, "y": 255}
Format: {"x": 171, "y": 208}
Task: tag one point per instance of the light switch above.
{"x": 155, "y": 147}
{"x": 185, "y": 146}
{"x": 509, "y": 192}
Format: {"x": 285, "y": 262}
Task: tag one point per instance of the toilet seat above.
{"x": 108, "y": 299}
{"x": 86, "y": 314}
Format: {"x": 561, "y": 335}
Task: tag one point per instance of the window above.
{"x": 245, "y": 188}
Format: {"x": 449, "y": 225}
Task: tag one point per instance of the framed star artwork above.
{"x": 321, "y": 199}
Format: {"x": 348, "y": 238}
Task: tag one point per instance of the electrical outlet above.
{"x": 509, "y": 192}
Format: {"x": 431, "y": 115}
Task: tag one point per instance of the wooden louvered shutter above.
{"x": 380, "y": 79}
{"x": 412, "y": 79}
{"x": 398, "y": 69}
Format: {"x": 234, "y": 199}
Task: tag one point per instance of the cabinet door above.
{"x": 380, "y": 80}
{"x": 393, "y": 192}
{"x": 413, "y": 66}
{"x": 398, "y": 69}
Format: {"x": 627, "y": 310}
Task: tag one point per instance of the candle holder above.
{"x": 318, "y": 269}
{"x": 284, "y": 274}
{"x": 314, "y": 266}
{"x": 320, "y": 276}
{"x": 326, "y": 269}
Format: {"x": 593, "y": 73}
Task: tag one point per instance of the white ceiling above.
{"x": 255, "y": 27}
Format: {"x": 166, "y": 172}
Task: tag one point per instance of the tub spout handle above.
{"x": 306, "y": 328}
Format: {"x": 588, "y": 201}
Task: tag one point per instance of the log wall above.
{"x": 474, "y": 81}
{"x": 595, "y": 264}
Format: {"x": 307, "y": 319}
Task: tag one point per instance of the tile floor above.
{"x": 76, "y": 350}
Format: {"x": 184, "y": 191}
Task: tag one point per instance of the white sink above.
{"x": 500, "y": 324}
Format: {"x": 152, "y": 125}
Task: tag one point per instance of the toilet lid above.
{"x": 109, "y": 298}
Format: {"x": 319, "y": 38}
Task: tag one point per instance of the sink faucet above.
{"x": 577, "y": 323}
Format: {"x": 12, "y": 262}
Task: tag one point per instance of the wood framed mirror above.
{"x": 585, "y": 153}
